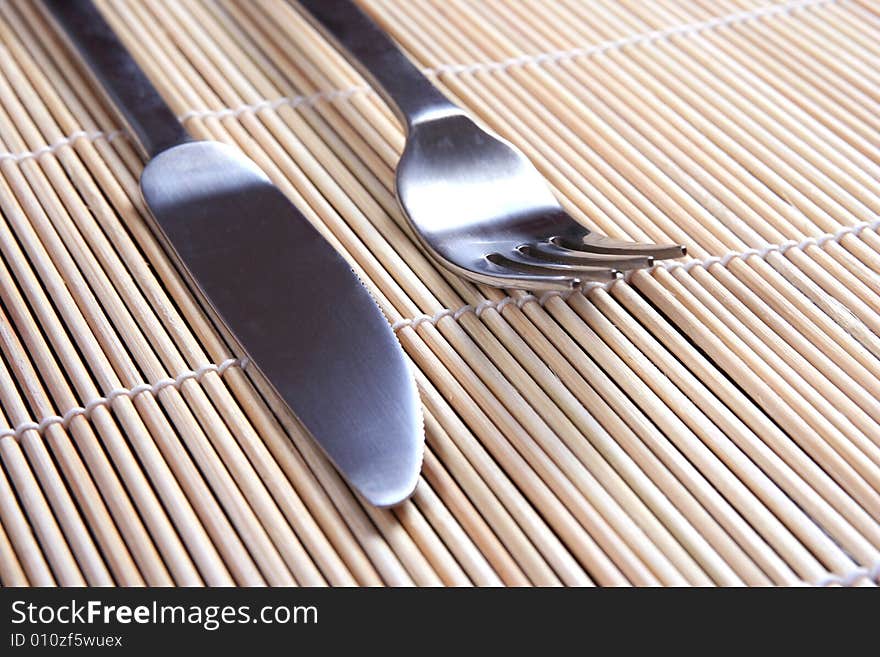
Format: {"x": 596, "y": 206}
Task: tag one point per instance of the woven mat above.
{"x": 712, "y": 421}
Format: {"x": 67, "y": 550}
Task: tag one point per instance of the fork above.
{"x": 474, "y": 200}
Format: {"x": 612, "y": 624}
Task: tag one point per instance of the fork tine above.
{"x": 554, "y": 255}
{"x": 593, "y": 242}
{"x": 518, "y": 262}
{"x": 501, "y": 273}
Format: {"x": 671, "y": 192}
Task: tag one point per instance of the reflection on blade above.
{"x": 295, "y": 309}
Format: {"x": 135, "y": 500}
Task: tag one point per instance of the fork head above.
{"x": 482, "y": 208}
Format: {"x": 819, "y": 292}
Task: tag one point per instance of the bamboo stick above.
{"x": 21, "y": 535}
{"x": 489, "y": 549}
{"x": 11, "y": 571}
{"x": 459, "y": 543}
{"x": 51, "y": 540}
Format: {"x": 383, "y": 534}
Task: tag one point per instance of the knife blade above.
{"x": 280, "y": 294}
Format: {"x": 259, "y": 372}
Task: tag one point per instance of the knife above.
{"x": 280, "y": 294}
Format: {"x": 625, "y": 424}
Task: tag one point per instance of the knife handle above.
{"x": 369, "y": 48}
{"x": 114, "y": 70}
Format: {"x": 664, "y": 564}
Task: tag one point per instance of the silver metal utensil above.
{"x": 280, "y": 293}
{"x": 475, "y": 201}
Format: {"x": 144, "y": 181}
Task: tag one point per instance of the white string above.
{"x": 871, "y": 573}
{"x": 540, "y": 58}
{"x": 131, "y": 393}
{"x": 784, "y": 8}
{"x": 292, "y": 101}
{"x": 723, "y": 260}
{"x": 235, "y": 112}
{"x": 477, "y": 310}
{"x": 66, "y": 141}
{"x": 636, "y": 39}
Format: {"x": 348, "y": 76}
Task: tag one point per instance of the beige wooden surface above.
{"x": 713, "y": 421}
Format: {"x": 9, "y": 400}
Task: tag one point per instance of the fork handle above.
{"x": 369, "y": 48}
{"x": 133, "y": 96}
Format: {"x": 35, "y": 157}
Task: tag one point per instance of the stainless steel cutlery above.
{"x": 314, "y": 338}
{"x": 284, "y": 298}
{"x": 476, "y": 203}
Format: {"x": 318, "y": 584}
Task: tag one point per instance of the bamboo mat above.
{"x": 713, "y": 421}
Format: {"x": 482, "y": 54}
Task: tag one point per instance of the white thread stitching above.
{"x": 872, "y": 574}
{"x": 234, "y": 112}
{"x": 337, "y": 94}
{"x": 637, "y": 39}
{"x": 131, "y": 393}
{"x": 723, "y": 260}
{"x": 66, "y": 141}
{"x": 293, "y": 101}
{"x": 561, "y": 55}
